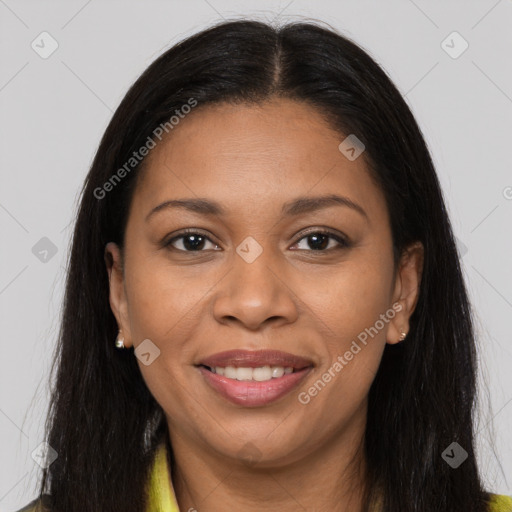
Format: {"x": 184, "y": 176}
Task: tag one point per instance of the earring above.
{"x": 119, "y": 340}
{"x": 402, "y": 336}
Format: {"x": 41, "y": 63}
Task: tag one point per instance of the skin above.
{"x": 314, "y": 303}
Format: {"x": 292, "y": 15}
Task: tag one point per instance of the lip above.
{"x": 254, "y": 393}
{"x": 255, "y": 359}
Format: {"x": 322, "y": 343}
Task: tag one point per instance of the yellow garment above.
{"x": 163, "y": 499}
{"x": 161, "y": 491}
{"x": 501, "y": 503}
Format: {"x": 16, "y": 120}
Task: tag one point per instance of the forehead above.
{"x": 260, "y": 155}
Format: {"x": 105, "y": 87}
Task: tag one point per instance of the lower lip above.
{"x": 250, "y": 393}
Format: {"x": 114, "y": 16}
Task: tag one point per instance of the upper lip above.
{"x": 255, "y": 359}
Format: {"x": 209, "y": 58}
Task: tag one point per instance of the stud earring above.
{"x": 402, "y": 336}
{"x": 119, "y": 340}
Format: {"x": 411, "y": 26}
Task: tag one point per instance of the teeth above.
{"x": 277, "y": 371}
{"x": 243, "y": 373}
{"x": 229, "y": 371}
{"x": 261, "y": 374}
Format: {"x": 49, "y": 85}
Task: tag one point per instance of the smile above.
{"x": 249, "y": 392}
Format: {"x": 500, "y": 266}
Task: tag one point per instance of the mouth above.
{"x": 253, "y": 379}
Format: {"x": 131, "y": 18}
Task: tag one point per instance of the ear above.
{"x": 117, "y": 297}
{"x": 406, "y": 292}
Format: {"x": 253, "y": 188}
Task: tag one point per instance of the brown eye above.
{"x": 321, "y": 241}
{"x": 190, "y": 241}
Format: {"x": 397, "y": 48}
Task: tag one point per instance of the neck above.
{"x": 329, "y": 478}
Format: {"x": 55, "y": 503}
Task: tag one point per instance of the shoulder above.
{"x": 37, "y": 505}
{"x": 500, "y": 503}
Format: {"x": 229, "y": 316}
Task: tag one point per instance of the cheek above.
{"x": 353, "y": 300}
{"x": 354, "y": 347}
{"x": 163, "y": 302}
{"x": 163, "y": 308}
{"x": 355, "y": 306}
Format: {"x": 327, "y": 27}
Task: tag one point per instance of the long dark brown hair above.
{"x": 104, "y": 423}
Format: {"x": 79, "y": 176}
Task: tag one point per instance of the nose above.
{"x": 255, "y": 294}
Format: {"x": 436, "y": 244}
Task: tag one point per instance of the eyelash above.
{"x": 343, "y": 243}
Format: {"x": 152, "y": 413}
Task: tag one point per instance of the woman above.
{"x": 264, "y": 306}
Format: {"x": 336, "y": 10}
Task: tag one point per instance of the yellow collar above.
{"x": 500, "y": 503}
{"x": 161, "y": 491}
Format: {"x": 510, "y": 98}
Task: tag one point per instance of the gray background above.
{"x": 54, "y": 111}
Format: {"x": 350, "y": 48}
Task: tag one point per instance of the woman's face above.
{"x": 256, "y": 273}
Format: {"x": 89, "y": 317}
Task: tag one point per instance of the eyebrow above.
{"x": 292, "y": 208}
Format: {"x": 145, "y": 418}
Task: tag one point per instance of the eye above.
{"x": 190, "y": 241}
{"x": 319, "y": 240}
